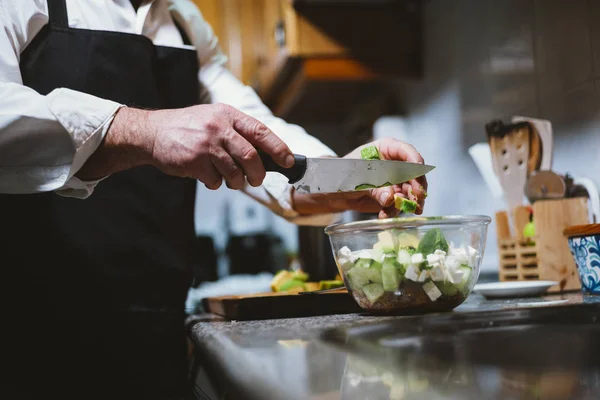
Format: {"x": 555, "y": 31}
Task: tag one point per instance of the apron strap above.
{"x": 57, "y": 13}
{"x": 184, "y": 36}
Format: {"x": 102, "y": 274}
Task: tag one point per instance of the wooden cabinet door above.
{"x": 239, "y": 26}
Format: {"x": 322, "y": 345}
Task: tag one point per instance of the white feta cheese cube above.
{"x": 458, "y": 251}
{"x": 403, "y": 257}
{"x": 432, "y": 291}
{"x": 472, "y": 251}
{"x": 456, "y": 276}
{"x": 411, "y": 273}
{"x": 345, "y": 252}
{"x": 417, "y": 258}
{"x": 460, "y": 255}
{"x": 473, "y": 254}
{"x": 423, "y": 276}
{"x": 345, "y": 256}
{"x": 367, "y": 253}
{"x": 451, "y": 262}
{"x": 437, "y": 274}
{"x": 440, "y": 253}
{"x": 434, "y": 260}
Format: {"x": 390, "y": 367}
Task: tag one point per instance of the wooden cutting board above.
{"x": 278, "y": 305}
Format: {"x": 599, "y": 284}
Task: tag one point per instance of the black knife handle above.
{"x": 294, "y": 174}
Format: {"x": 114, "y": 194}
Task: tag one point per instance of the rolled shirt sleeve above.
{"x": 44, "y": 140}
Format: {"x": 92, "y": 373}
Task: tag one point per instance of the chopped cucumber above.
{"x": 381, "y": 252}
{"x": 405, "y": 205}
{"x": 370, "y": 153}
{"x": 375, "y": 254}
{"x": 447, "y": 288}
{"x": 406, "y": 239}
{"x": 364, "y": 263}
{"x": 467, "y": 272}
{"x": 280, "y": 278}
{"x": 369, "y": 186}
{"x": 330, "y": 284}
{"x": 373, "y": 291}
{"x": 389, "y": 276}
{"x": 401, "y": 268}
{"x": 451, "y": 289}
{"x": 300, "y": 275}
{"x": 411, "y": 250}
{"x": 387, "y": 241}
{"x": 291, "y": 284}
{"x": 365, "y": 186}
{"x": 378, "y": 255}
{"x": 360, "y": 277}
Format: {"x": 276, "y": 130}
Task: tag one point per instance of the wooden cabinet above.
{"x": 316, "y": 61}
{"x": 238, "y": 25}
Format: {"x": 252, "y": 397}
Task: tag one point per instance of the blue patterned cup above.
{"x": 584, "y": 242}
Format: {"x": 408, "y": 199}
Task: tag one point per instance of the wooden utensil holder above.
{"x": 547, "y": 255}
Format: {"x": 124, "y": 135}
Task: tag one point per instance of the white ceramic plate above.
{"x": 513, "y": 289}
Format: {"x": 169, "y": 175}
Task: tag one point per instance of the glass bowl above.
{"x": 417, "y": 264}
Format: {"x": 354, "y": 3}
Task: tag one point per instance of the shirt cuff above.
{"x": 87, "y": 124}
{"x": 278, "y": 188}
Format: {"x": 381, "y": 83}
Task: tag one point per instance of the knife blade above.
{"x": 331, "y": 175}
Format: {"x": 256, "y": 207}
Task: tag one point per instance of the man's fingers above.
{"x": 393, "y": 149}
{"x": 389, "y": 212}
{"x": 407, "y": 190}
{"x": 214, "y": 186}
{"x": 384, "y": 196}
{"x": 419, "y": 191}
{"x": 206, "y": 173}
{"x": 228, "y": 168}
{"x": 262, "y": 138}
{"x": 423, "y": 182}
{"x": 246, "y": 156}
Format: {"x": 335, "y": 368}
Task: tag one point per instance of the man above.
{"x": 106, "y": 101}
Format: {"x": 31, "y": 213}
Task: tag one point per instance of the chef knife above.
{"x": 330, "y": 175}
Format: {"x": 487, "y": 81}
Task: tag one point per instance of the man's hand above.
{"x": 375, "y": 200}
{"x": 206, "y": 142}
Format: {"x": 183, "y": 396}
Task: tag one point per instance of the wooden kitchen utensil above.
{"x": 544, "y": 130}
{"x": 510, "y": 146}
{"x": 520, "y": 219}
{"x": 547, "y": 256}
{"x": 544, "y": 185}
{"x": 281, "y": 305}
{"x": 535, "y": 151}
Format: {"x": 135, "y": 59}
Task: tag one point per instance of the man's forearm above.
{"x": 127, "y": 144}
{"x": 311, "y": 204}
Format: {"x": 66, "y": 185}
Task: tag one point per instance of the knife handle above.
{"x": 294, "y": 174}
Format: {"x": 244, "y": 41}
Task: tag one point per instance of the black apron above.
{"x": 97, "y": 287}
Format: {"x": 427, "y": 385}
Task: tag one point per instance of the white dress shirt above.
{"x": 44, "y": 140}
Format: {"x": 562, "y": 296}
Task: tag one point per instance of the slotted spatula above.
{"x": 509, "y": 145}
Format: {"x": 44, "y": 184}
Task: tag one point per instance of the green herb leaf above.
{"x": 432, "y": 241}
